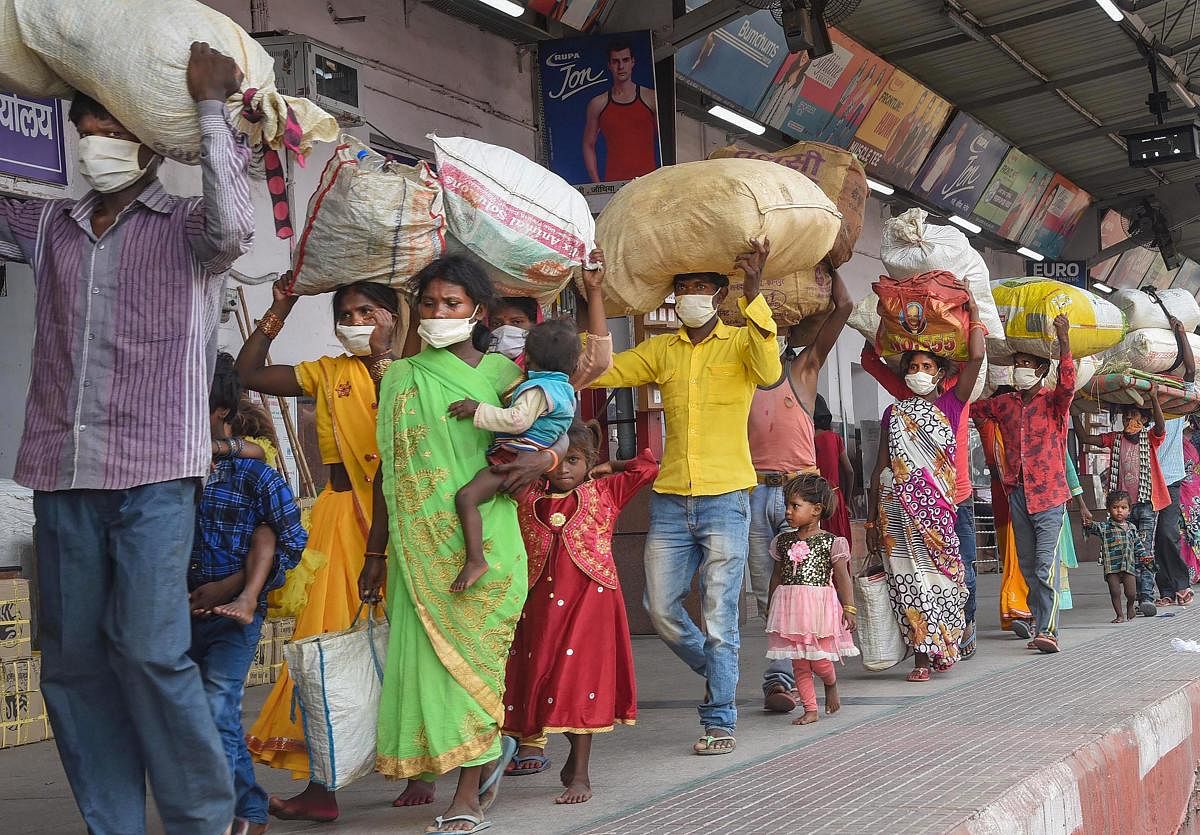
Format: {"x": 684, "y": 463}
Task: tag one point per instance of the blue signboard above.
{"x": 31, "y": 139}
{"x": 958, "y": 171}
{"x": 737, "y": 62}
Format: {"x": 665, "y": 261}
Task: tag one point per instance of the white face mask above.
{"x": 1026, "y": 378}
{"x": 695, "y": 311}
{"x": 441, "y": 333}
{"x": 509, "y": 340}
{"x": 109, "y": 164}
{"x": 356, "y": 338}
{"x": 921, "y": 382}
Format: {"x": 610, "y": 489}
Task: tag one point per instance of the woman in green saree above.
{"x": 443, "y": 685}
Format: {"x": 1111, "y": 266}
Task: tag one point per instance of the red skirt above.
{"x": 839, "y": 523}
{"x": 570, "y": 669}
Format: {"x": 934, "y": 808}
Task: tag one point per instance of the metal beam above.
{"x": 699, "y": 22}
{"x": 987, "y": 30}
{"x": 1053, "y": 84}
{"x": 1178, "y": 49}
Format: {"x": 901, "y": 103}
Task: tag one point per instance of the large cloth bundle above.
{"x": 699, "y": 216}
{"x": 839, "y": 174}
{"x": 144, "y": 83}
{"x": 1028, "y": 307}
{"x": 925, "y": 312}
{"x": 878, "y": 631}
{"x": 527, "y": 223}
{"x": 21, "y": 70}
{"x": 1141, "y": 311}
{"x": 910, "y": 246}
{"x": 368, "y": 225}
{"x": 1116, "y": 389}
{"x": 338, "y": 678}
{"x": 1153, "y": 350}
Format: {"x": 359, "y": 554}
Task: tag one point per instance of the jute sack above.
{"x": 839, "y": 174}
{"x": 699, "y": 216}
{"x": 1028, "y": 307}
{"x": 366, "y": 225}
{"x": 21, "y": 70}
{"x": 145, "y": 85}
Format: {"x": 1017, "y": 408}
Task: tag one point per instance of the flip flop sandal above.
{"x": 1164, "y": 601}
{"x": 918, "y": 674}
{"x": 489, "y": 789}
{"x": 514, "y": 768}
{"x": 1021, "y": 629}
{"x": 704, "y": 746}
{"x": 780, "y": 701}
{"x": 477, "y": 825}
{"x": 968, "y": 645}
{"x": 1046, "y": 643}
{"x": 1031, "y": 645}
{"x": 1184, "y": 597}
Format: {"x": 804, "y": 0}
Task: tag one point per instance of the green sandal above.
{"x": 705, "y": 745}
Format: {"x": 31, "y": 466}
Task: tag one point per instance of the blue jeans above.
{"x": 224, "y": 651}
{"x": 125, "y": 699}
{"x": 1144, "y": 518}
{"x": 1037, "y": 554}
{"x": 767, "y": 519}
{"x": 964, "y": 526}
{"x": 707, "y": 534}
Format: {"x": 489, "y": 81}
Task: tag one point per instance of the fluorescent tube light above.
{"x": 507, "y": 6}
{"x": 732, "y": 118}
{"x": 882, "y": 188}
{"x": 1029, "y": 253}
{"x": 1110, "y": 9}
{"x": 1101, "y": 287}
{"x": 974, "y": 229}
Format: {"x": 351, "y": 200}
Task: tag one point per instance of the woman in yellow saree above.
{"x": 441, "y": 706}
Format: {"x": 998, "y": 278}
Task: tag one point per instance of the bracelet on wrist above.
{"x": 270, "y": 324}
{"x": 376, "y": 555}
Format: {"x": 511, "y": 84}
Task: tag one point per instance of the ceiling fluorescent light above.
{"x": 1101, "y": 287}
{"x": 507, "y": 6}
{"x": 1110, "y": 9}
{"x": 1029, "y": 253}
{"x": 882, "y": 188}
{"x": 736, "y": 119}
{"x": 974, "y": 229}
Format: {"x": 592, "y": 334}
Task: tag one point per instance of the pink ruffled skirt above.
{"x": 806, "y": 622}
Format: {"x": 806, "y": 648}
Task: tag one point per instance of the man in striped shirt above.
{"x": 116, "y": 442}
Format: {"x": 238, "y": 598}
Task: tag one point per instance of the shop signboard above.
{"x": 962, "y": 164}
{"x": 31, "y": 139}
{"x": 900, "y": 128}
{"x": 735, "y": 63}
{"x": 827, "y": 99}
{"x": 1056, "y": 216}
{"x": 1013, "y": 194}
{"x": 599, "y": 110}
{"x": 1068, "y": 272}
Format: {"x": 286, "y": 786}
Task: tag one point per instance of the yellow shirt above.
{"x": 706, "y": 392}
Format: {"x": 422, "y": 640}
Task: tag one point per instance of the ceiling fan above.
{"x": 806, "y": 22}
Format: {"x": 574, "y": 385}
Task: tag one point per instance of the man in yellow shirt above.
{"x": 700, "y": 510}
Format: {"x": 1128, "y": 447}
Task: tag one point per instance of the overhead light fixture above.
{"x": 507, "y": 6}
{"x": 729, "y": 116}
{"x": 1110, "y": 9}
{"x": 882, "y": 188}
{"x": 973, "y": 228}
{"x": 1029, "y": 253}
{"x": 1101, "y": 287}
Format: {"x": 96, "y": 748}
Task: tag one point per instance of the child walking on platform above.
{"x": 1121, "y": 551}
{"x": 812, "y": 613}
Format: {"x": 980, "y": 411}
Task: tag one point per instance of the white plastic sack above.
{"x": 527, "y": 222}
{"x": 1153, "y": 350}
{"x": 909, "y": 246}
{"x": 21, "y": 70}
{"x": 878, "y": 631}
{"x": 1143, "y": 312}
{"x": 338, "y": 679}
{"x": 132, "y": 57}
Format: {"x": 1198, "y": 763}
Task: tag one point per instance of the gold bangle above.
{"x": 378, "y": 367}
{"x": 850, "y": 610}
{"x": 270, "y": 324}
{"x": 375, "y": 554}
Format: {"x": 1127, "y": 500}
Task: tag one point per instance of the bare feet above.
{"x": 472, "y": 571}
{"x": 241, "y": 609}
{"x": 579, "y": 790}
{"x": 1118, "y": 619}
{"x": 416, "y": 793}
{"x": 808, "y": 718}
{"x": 315, "y": 803}
{"x": 1131, "y": 610}
{"x": 833, "y": 702}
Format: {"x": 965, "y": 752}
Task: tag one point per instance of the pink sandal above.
{"x": 918, "y": 674}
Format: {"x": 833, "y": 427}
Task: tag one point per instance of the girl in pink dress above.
{"x": 812, "y": 612}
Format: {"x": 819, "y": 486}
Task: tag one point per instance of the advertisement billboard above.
{"x": 599, "y": 110}
{"x": 1013, "y": 194}
{"x": 900, "y": 128}
{"x": 31, "y": 139}
{"x": 735, "y": 63}
{"x": 1056, "y": 216}
{"x": 827, "y": 99}
{"x": 961, "y": 165}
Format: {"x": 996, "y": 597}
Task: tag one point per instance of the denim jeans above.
{"x": 964, "y": 526}
{"x": 1170, "y": 569}
{"x": 705, "y": 534}
{"x": 125, "y": 700}
{"x": 224, "y": 651}
{"x": 1144, "y": 518}
{"x": 1037, "y": 554}
{"x": 767, "y": 519}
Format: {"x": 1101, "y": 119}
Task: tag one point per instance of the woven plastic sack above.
{"x": 338, "y": 679}
{"x": 878, "y": 631}
{"x": 1028, "y": 307}
{"x": 699, "y": 216}
{"x": 839, "y": 174}
{"x": 925, "y": 312}
{"x": 364, "y": 225}
{"x": 21, "y": 70}
{"x": 1141, "y": 311}
{"x": 144, "y": 83}
{"x": 529, "y": 224}
{"x": 1149, "y": 349}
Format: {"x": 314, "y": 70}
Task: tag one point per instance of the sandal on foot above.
{"x": 705, "y": 745}
{"x": 516, "y": 767}
{"x": 1147, "y": 609}
{"x": 918, "y": 674}
{"x": 1184, "y": 597}
{"x": 1021, "y": 629}
{"x": 968, "y": 644}
{"x": 489, "y": 789}
{"x": 1164, "y": 601}
{"x": 1045, "y": 643}
{"x": 439, "y": 823}
{"x": 779, "y": 699}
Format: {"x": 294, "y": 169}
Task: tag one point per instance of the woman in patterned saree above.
{"x": 441, "y": 707}
{"x": 912, "y": 513}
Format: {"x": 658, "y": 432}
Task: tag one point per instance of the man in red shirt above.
{"x": 1033, "y": 425}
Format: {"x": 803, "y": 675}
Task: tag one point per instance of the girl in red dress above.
{"x": 570, "y": 670}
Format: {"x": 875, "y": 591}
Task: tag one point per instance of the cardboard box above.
{"x": 23, "y": 719}
{"x": 15, "y": 615}
{"x": 21, "y": 675}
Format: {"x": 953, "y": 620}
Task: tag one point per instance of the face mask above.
{"x": 695, "y": 311}
{"x": 356, "y": 338}
{"x": 441, "y": 333}
{"x": 921, "y": 382}
{"x": 509, "y": 340}
{"x": 1026, "y": 378}
{"x": 109, "y": 164}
